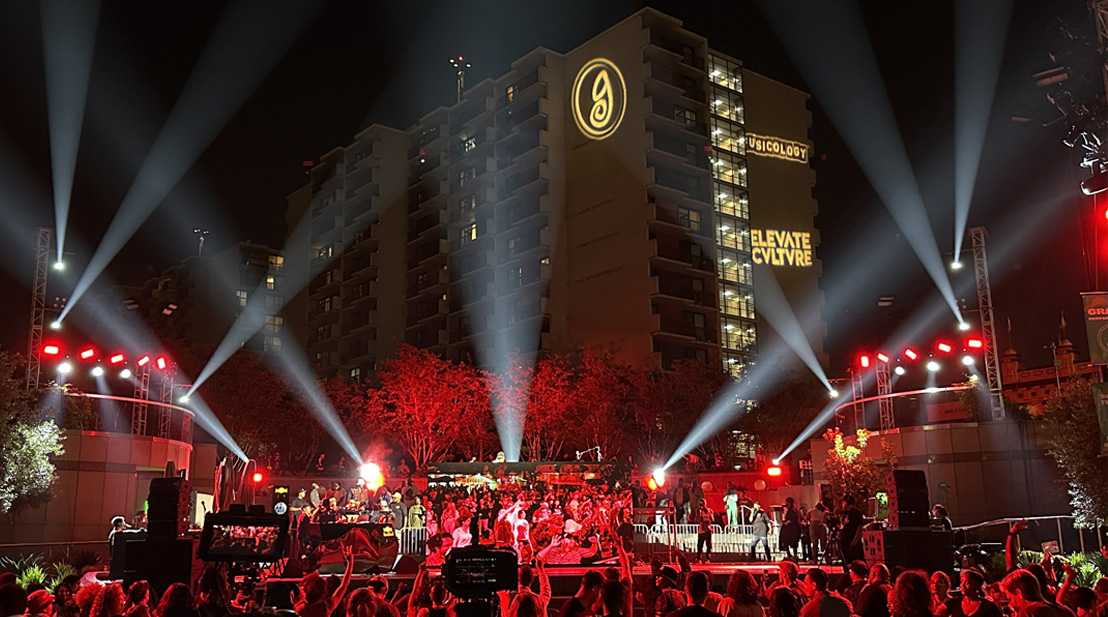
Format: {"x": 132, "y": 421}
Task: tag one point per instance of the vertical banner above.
{"x": 1096, "y": 324}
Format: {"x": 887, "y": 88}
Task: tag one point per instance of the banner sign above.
{"x": 1096, "y": 325}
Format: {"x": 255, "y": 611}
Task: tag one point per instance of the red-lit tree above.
{"x": 545, "y": 395}
{"x": 426, "y": 403}
{"x": 605, "y": 398}
{"x": 669, "y": 405}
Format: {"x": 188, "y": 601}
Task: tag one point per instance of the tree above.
{"x": 1072, "y": 434}
{"x": 605, "y": 396}
{"x": 427, "y": 404}
{"x": 670, "y": 403}
{"x": 27, "y": 441}
{"x": 851, "y": 471}
{"x": 545, "y": 395}
{"x": 778, "y": 418}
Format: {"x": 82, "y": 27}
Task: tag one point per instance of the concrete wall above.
{"x": 99, "y": 476}
{"x": 979, "y": 471}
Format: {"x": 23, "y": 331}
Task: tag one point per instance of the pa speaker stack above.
{"x": 909, "y": 503}
{"x": 910, "y": 548}
{"x": 168, "y": 508}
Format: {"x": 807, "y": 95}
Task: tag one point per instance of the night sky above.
{"x": 357, "y": 63}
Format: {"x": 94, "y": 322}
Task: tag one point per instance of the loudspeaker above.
{"x": 910, "y": 548}
{"x": 160, "y": 562}
{"x": 909, "y": 503}
{"x": 168, "y": 508}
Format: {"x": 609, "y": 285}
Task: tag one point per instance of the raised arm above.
{"x": 1010, "y": 551}
{"x": 1067, "y": 584}
{"x": 417, "y": 591}
{"x": 336, "y": 598}
{"x": 544, "y": 583}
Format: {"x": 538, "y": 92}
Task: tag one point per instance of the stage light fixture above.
{"x": 659, "y": 476}
{"x": 51, "y": 350}
{"x": 143, "y": 361}
{"x": 883, "y": 358}
{"x": 910, "y": 353}
{"x": 116, "y": 359}
{"x": 944, "y": 347}
{"x": 65, "y": 368}
{"x": 967, "y": 360}
{"x": 372, "y": 475}
{"x": 933, "y": 366}
{"x": 774, "y": 471}
{"x": 97, "y": 371}
{"x": 125, "y": 373}
{"x": 956, "y": 265}
{"x": 975, "y": 343}
{"x": 833, "y": 393}
{"x": 257, "y": 477}
{"x": 900, "y": 371}
{"x": 59, "y": 266}
{"x": 55, "y": 325}
{"x": 864, "y": 361}
{"x": 184, "y": 400}
{"x": 161, "y": 363}
{"x": 88, "y": 353}
{"x": 963, "y": 326}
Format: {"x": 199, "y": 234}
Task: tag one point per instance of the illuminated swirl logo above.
{"x": 599, "y": 98}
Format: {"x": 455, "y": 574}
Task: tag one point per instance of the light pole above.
{"x": 201, "y": 233}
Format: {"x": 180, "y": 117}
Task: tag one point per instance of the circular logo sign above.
{"x": 599, "y": 98}
{"x": 280, "y": 508}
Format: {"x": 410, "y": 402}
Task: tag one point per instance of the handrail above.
{"x": 131, "y": 399}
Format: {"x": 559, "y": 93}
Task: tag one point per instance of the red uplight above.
{"x": 975, "y": 343}
{"x": 161, "y": 363}
{"x": 143, "y": 361}
{"x": 882, "y": 357}
{"x": 910, "y": 353}
{"x": 116, "y": 359}
{"x": 863, "y": 361}
{"x": 944, "y": 347}
{"x": 87, "y": 353}
{"x": 51, "y": 350}
{"x": 774, "y": 471}
{"x": 257, "y": 477}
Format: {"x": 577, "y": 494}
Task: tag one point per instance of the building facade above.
{"x": 595, "y": 198}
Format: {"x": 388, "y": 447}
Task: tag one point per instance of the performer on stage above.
{"x": 731, "y": 503}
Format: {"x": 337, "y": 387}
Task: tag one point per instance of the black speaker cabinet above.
{"x": 160, "y": 562}
{"x": 910, "y": 548}
{"x": 167, "y": 515}
{"x": 909, "y": 503}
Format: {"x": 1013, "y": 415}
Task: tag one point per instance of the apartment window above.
{"x": 729, "y": 300}
{"x": 273, "y": 323}
{"x": 466, "y": 175}
{"x": 270, "y": 282}
{"x": 323, "y": 333}
{"x": 545, "y": 261}
{"x": 276, "y": 262}
{"x": 242, "y": 296}
{"x": 469, "y": 143}
{"x": 468, "y": 208}
{"x": 689, "y": 218}
{"x": 329, "y": 277}
{"x": 272, "y": 343}
{"x": 725, "y": 73}
{"x": 423, "y": 279}
{"x": 469, "y": 233}
{"x": 274, "y": 301}
{"x": 323, "y": 252}
{"x": 326, "y": 304}
{"x": 696, "y": 321}
{"x": 729, "y": 168}
{"x": 355, "y": 373}
{"x": 726, "y": 135}
{"x": 730, "y": 236}
{"x": 726, "y": 104}
{"x": 685, "y": 116}
{"x": 730, "y": 330}
{"x": 510, "y": 93}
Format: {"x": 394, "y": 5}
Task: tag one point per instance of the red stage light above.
{"x": 143, "y": 361}
{"x": 882, "y": 357}
{"x": 116, "y": 359}
{"x": 910, "y": 353}
{"x": 944, "y": 347}
{"x": 975, "y": 343}
{"x": 863, "y": 361}
{"x": 257, "y": 477}
{"x": 87, "y": 353}
{"x": 774, "y": 471}
{"x": 161, "y": 363}
{"x": 51, "y": 350}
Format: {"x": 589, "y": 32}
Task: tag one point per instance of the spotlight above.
{"x": 88, "y": 353}
{"x": 257, "y": 477}
{"x": 51, "y": 350}
{"x": 774, "y": 471}
{"x": 59, "y": 266}
{"x": 974, "y": 378}
{"x": 65, "y": 368}
{"x": 161, "y": 363}
{"x": 116, "y": 359}
{"x": 933, "y": 366}
{"x": 883, "y": 358}
{"x": 899, "y": 370}
{"x": 143, "y": 361}
{"x": 944, "y": 347}
{"x": 863, "y": 361}
{"x": 975, "y": 343}
{"x": 97, "y": 371}
{"x": 184, "y": 400}
{"x": 125, "y": 373}
{"x": 967, "y": 360}
{"x": 55, "y": 325}
{"x": 833, "y": 393}
{"x": 910, "y": 353}
{"x": 963, "y": 326}
{"x": 955, "y": 265}
{"x": 659, "y": 476}
{"x": 371, "y": 474}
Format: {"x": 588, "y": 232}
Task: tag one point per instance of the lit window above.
{"x": 273, "y": 323}
{"x": 356, "y": 374}
{"x": 270, "y": 282}
{"x": 242, "y": 296}
{"x": 469, "y": 143}
{"x": 510, "y": 93}
{"x": 324, "y": 252}
{"x": 276, "y": 262}
{"x": 469, "y": 233}
{"x": 545, "y": 261}
{"x": 689, "y": 218}
{"x": 272, "y": 343}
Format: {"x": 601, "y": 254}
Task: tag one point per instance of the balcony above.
{"x": 680, "y": 289}
{"x": 675, "y": 256}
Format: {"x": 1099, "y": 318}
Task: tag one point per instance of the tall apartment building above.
{"x": 595, "y": 198}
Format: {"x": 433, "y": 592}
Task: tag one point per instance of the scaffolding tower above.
{"x": 142, "y": 393}
{"x": 38, "y": 306}
{"x": 988, "y": 322}
{"x": 857, "y": 391}
{"x": 165, "y": 417}
{"x": 884, "y": 388}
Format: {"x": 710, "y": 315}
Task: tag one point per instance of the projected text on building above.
{"x": 599, "y": 98}
{"x": 777, "y": 148}
{"x": 777, "y": 247}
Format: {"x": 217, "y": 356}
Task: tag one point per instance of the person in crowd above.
{"x": 213, "y": 598}
{"x": 742, "y": 597}
{"x": 65, "y": 597}
{"x": 696, "y": 593}
{"x": 789, "y": 536}
{"x": 317, "y": 495}
{"x": 613, "y": 599}
{"x": 857, "y": 573}
{"x": 361, "y": 603}
{"x": 704, "y": 531}
{"x": 823, "y": 602}
{"x": 817, "y": 527}
{"x": 176, "y": 602}
{"x": 118, "y": 525}
{"x": 109, "y": 602}
{"x": 313, "y": 599}
{"x": 40, "y": 603}
{"x": 138, "y": 600}
{"x": 300, "y": 501}
{"x": 1025, "y": 596}
{"x": 873, "y": 599}
{"x": 805, "y": 534}
{"x": 784, "y": 603}
{"x": 850, "y": 531}
{"x": 761, "y": 524}
{"x": 441, "y": 604}
{"x": 86, "y": 597}
{"x": 582, "y": 602}
{"x": 668, "y": 598}
{"x": 973, "y": 602}
{"x": 13, "y": 600}
{"x": 911, "y": 596}
{"x": 527, "y": 575}
{"x": 788, "y": 576}
{"x": 940, "y": 590}
{"x": 1081, "y": 600}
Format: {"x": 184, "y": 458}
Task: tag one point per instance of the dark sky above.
{"x": 359, "y": 62}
